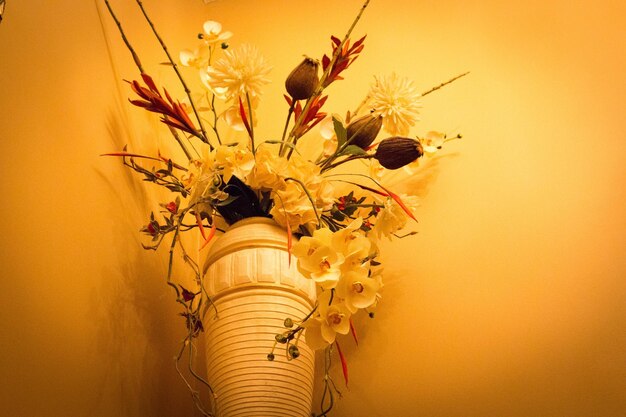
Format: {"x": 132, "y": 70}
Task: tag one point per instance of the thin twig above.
{"x": 320, "y": 88}
{"x": 124, "y": 38}
{"x": 194, "y": 394}
{"x": 180, "y": 142}
{"x": 326, "y": 73}
{"x": 141, "y": 70}
{"x": 348, "y": 159}
{"x": 194, "y": 373}
{"x": 215, "y": 117}
{"x": 289, "y": 113}
{"x": 175, "y": 66}
{"x": 444, "y": 84}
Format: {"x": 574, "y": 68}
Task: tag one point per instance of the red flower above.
{"x": 312, "y": 116}
{"x": 152, "y": 229}
{"x": 342, "y": 203}
{"x": 173, "y": 112}
{"x": 346, "y": 57}
{"x": 172, "y": 207}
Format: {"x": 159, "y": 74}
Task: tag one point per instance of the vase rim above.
{"x": 253, "y": 220}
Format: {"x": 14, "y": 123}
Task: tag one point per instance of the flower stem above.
{"x": 326, "y": 164}
{"x": 343, "y": 161}
{"x": 251, "y": 121}
{"x": 124, "y": 38}
{"x": 282, "y": 139}
{"x": 339, "y": 48}
{"x": 180, "y": 142}
{"x": 215, "y": 117}
{"x": 358, "y": 109}
{"x": 320, "y": 87}
{"x": 319, "y": 221}
{"x": 204, "y": 137}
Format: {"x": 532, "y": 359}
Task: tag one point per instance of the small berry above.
{"x": 294, "y": 352}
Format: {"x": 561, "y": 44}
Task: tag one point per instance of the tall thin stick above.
{"x": 141, "y": 71}
{"x": 175, "y": 66}
{"x": 326, "y": 73}
{"x": 124, "y": 38}
{"x": 444, "y": 84}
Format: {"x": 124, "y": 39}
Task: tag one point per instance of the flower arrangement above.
{"x": 333, "y": 219}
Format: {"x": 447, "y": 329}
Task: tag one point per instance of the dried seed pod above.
{"x": 303, "y": 80}
{"x": 293, "y": 351}
{"x": 363, "y": 131}
{"x": 396, "y": 152}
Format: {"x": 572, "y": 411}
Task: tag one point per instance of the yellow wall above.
{"x": 509, "y": 302}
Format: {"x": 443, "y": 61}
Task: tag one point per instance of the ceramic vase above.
{"x": 254, "y": 287}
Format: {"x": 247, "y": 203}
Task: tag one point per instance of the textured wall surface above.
{"x": 511, "y": 299}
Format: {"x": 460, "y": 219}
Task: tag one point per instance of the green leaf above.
{"x": 340, "y": 131}
{"x": 225, "y": 202}
{"x": 353, "y": 150}
{"x": 276, "y": 142}
{"x": 282, "y": 142}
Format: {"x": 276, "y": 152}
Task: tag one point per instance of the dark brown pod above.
{"x": 363, "y": 131}
{"x": 396, "y": 152}
{"x": 303, "y": 81}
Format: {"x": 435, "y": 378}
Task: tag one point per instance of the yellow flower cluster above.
{"x": 339, "y": 262}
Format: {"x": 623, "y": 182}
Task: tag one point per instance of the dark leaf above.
{"x": 187, "y": 295}
{"x": 245, "y": 202}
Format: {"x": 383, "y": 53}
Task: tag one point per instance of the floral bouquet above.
{"x": 333, "y": 218}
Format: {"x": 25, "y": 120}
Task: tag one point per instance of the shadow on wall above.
{"x": 139, "y": 330}
{"x": 420, "y": 182}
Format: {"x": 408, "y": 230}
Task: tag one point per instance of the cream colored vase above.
{"x": 254, "y": 289}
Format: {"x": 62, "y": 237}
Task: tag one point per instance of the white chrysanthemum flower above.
{"x": 240, "y": 72}
{"x": 396, "y": 100}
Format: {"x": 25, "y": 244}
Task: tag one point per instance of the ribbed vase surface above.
{"x": 254, "y": 288}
